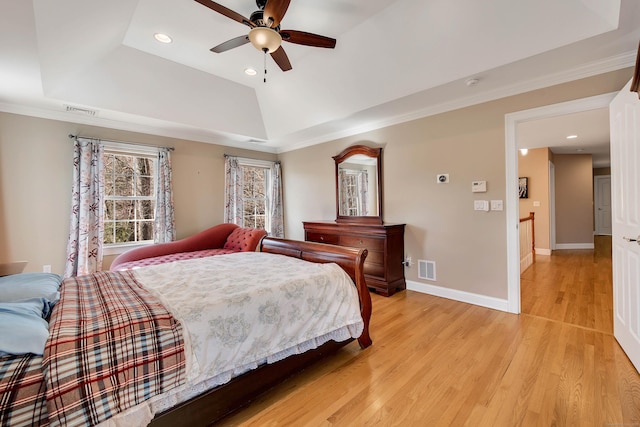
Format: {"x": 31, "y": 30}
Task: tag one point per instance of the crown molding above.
{"x": 589, "y": 70}
{"x": 172, "y": 130}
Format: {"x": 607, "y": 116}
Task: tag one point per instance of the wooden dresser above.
{"x": 383, "y": 267}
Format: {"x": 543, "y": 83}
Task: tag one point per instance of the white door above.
{"x": 602, "y": 189}
{"x": 625, "y": 180}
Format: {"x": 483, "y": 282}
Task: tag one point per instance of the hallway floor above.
{"x": 572, "y": 286}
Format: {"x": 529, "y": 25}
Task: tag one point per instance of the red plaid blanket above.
{"x": 22, "y": 394}
{"x": 112, "y": 345}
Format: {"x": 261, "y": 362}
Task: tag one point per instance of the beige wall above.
{"x": 469, "y": 247}
{"x": 35, "y": 185}
{"x": 574, "y": 198}
{"x": 535, "y": 166}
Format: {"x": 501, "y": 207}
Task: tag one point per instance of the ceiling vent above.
{"x": 80, "y": 110}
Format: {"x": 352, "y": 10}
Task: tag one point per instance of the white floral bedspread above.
{"x": 245, "y": 308}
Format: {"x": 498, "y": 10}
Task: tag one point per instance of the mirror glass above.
{"x": 358, "y": 185}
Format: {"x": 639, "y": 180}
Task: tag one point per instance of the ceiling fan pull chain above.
{"x": 265, "y": 64}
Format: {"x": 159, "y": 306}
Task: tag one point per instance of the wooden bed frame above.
{"x": 216, "y": 403}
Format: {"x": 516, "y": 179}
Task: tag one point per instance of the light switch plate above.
{"x": 496, "y": 205}
{"x": 481, "y": 205}
{"x": 479, "y": 187}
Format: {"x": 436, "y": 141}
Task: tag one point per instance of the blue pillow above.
{"x": 21, "y": 286}
{"x": 22, "y": 327}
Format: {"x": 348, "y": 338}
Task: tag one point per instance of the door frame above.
{"x": 511, "y": 158}
{"x": 552, "y": 206}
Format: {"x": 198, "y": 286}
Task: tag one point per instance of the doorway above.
{"x": 512, "y": 211}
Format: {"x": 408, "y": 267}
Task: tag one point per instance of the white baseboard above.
{"x": 462, "y": 296}
{"x": 541, "y": 251}
{"x": 574, "y": 245}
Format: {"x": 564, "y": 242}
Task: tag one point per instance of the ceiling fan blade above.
{"x": 227, "y": 12}
{"x": 281, "y": 58}
{"x": 307, "y": 39}
{"x": 230, "y": 44}
{"x": 274, "y": 12}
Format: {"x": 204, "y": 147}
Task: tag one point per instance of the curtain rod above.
{"x": 121, "y": 142}
{"x": 249, "y": 158}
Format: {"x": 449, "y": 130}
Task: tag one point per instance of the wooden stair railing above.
{"x": 527, "y": 241}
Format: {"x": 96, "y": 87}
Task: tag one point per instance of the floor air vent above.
{"x": 427, "y": 270}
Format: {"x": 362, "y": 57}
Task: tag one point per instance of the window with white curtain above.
{"x": 253, "y": 194}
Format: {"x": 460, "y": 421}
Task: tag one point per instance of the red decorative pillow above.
{"x": 244, "y": 239}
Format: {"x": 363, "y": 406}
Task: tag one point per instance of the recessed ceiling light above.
{"x": 572, "y": 136}
{"x": 472, "y": 81}
{"x": 250, "y": 72}
{"x": 162, "y": 38}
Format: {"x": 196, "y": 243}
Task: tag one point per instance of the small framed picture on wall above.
{"x": 523, "y": 187}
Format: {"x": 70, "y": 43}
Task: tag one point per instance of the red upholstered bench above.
{"x": 217, "y": 240}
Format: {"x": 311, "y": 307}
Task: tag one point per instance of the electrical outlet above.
{"x": 46, "y": 268}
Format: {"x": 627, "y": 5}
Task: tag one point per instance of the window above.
{"x": 253, "y": 194}
{"x": 353, "y": 187}
{"x": 351, "y": 191}
{"x": 129, "y": 202}
{"x": 255, "y": 201}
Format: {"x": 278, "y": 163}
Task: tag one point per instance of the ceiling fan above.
{"x": 265, "y": 33}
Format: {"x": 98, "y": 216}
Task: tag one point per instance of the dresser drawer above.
{"x": 375, "y": 257}
{"x": 383, "y": 267}
{"x": 333, "y": 239}
{"x": 374, "y": 270}
{"x": 369, "y": 243}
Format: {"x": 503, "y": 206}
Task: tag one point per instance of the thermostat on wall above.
{"x": 479, "y": 186}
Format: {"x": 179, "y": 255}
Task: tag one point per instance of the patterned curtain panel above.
{"x": 343, "y": 185}
{"x": 277, "y": 215}
{"x": 164, "y": 229}
{"x": 363, "y": 186}
{"x": 233, "y": 191}
{"x": 84, "y": 248}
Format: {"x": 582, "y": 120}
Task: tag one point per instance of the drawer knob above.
{"x": 361, "y": 242}
{"x": 321, "y": 237}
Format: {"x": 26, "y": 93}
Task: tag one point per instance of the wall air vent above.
{"x": 80, "y": 110}
{"x": 427, "y": 270}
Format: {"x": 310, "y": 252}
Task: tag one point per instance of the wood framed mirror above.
{"x": 359, "y": 185}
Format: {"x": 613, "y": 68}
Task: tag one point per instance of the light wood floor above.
{"x": 436, "y": 362}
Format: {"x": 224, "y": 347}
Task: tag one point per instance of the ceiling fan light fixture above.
{"x": 265, "y": 38}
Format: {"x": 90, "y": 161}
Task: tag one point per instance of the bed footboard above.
{"x": 350, "y": 259}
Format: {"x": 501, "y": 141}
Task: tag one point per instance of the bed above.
{"x": 78, "y": 381}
